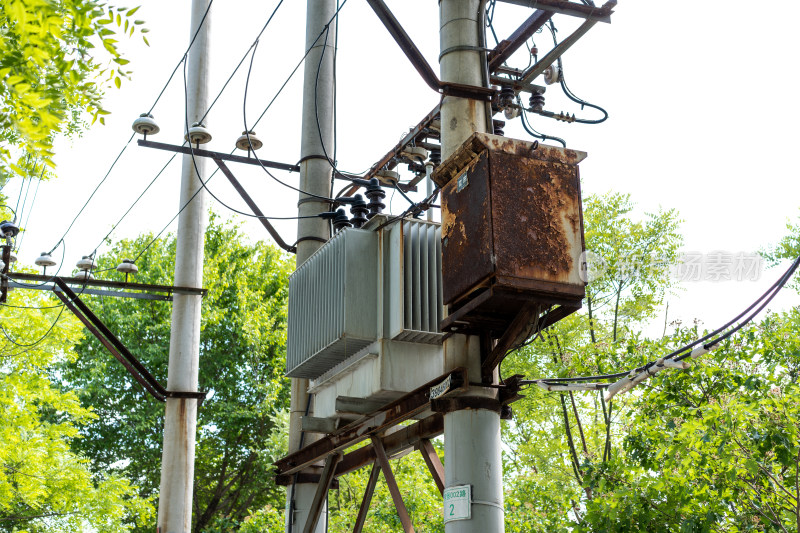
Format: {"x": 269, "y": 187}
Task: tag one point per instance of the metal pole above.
{"x": 315, "y": 177}
{"x": 472, "y": 436}
{"x": 177, "y": 463}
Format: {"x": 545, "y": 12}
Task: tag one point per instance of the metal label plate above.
{"x": 457, "y": 503}
{"x": 437, "y": 391}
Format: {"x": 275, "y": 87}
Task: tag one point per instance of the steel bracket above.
{"x": 5, "y": 253}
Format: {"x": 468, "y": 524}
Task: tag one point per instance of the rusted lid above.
{"x": 481, "y": 142}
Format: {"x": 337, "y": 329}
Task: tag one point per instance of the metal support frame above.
{"x": 519, "y": 328}
{"x": 197, "y": 152}
{"x": 507, "y": 47}
{"x": 413, "y": 54}
{"x": 252, "y": 205}
{"x": 321, "y": 495}
{"x": 573, "y": 9}
{"x": 553, "y": 55}
{"x": 435, "y": 465}
{"x": 391, "y": 483}
{"x": 145, "y": 287}
{"x": 116, "y": 347}
{"x": 370, "y": 490}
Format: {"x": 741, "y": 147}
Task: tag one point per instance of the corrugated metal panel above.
{"x": 421, "y": 278}
{"x": 332, "y": 298}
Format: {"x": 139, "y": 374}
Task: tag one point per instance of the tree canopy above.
{"x": 56, "y": 57}
{"x": 242, "y": 360}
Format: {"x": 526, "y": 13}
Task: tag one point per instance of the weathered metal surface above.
{"x": 5, "y": 253}
{"x": 408, "y": 406}
{"x": 433, "y": 462}
{"x": 370, "y": 489}
{"x": 557, "y": 52}
{"x": 512, "y": 231}
{"x": 198, "y": 152}
{"x": 507, "y": 47}
{"x": 147, "y": 287}
{"x": 321, "y": 496}
{"x": 574, "y": 9}
{"x": 391, "y": 484}
{"x": 252, "y": 205}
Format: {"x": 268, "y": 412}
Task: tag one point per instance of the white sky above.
{"x": 699, "y": 95}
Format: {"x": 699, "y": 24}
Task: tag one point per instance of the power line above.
{"x": 261, "y": 116}
{"x": 128, "y": 142}
{"x": 700, "y": 345}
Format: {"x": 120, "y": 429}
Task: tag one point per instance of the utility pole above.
{"x": 315, "y": 177}
{"x": 180, "y": 423}
{"x": 471, "y": 436}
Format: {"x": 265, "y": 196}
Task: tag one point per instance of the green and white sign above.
{"x": 457, "y": 503}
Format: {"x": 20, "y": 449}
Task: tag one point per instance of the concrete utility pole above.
{"x": 177, "y": 462}
{"x": 471, "y": 436}
{"x": 315, "y": 178}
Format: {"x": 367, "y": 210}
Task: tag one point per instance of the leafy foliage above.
{"x": 242, "y": 359}
{"x": 51, "y": 73}
{"x": 44, "y": 485}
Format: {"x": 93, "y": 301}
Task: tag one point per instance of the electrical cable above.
{"x": 684, "y": 352}
{"x": 125, "y": 146}
{"x": 532, "y": 132}
{"x": 51, "y": 278}
{"x": 30, "y": 209}
{"x": 260, "y": 117}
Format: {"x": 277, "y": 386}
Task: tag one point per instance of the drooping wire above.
{"x": 128, "y": 142}
{"x": 28, "y": 213}
{"x": 260, "y": 117}
{"x": 532, "y": 132}
{"x": 714, "y": 338}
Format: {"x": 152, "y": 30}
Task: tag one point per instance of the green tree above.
{"x": 51, "y": 73}
{"x": 44, "y": 485}
{"x": 242, "y": 360}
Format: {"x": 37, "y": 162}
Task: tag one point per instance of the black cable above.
{"x": 247, "y": 133}
{"x": 260, "y": 117}
{"x": 183, "y": 58}
{"x": 25, "y": 200}
{"x": 125, "y": 147}
{"x": 51, "y": 278}
{"x": 30, "y": 209}
{"x": 758, "y": 305}
{"x": 532, "y": 132}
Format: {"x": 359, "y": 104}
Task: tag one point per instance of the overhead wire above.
{"x": 260, "y": 117}
{"x": 714, "y": 338}
{"x": 30, "y": 210}
{"x": 128, "y": 142}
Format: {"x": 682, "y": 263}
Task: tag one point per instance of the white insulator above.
{"x": 84, "y": 275}
{"x": 198, "y": 134}
{"x": 86, "y": 263}
{"x": 127, "y": 267}
{"x": 145, "y": 125}
{"x": 550, "y": 74}
{"x": 702, "y": 350}
{"x": 415, "y": 153}
{"x": 12, "y": 258}
{"x": 511, "y": 113}
{"x": 44, "y": 260}
{"x": 671, "y": 363}
{"x": 388, "y": 177}
{"x": 2, "y": 265}
{"x": 8, "y": 229}
{"x": 248, "y": 141}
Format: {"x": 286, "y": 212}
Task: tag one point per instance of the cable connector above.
{"x": 560, "y": 387}
{"x": 702, "y": 350}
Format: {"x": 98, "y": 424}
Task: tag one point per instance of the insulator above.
{"x": 45, "y": 260}
{"x": 375, "y": 194}
{"x": 359, "y": 210}
{"x": 8, "y": 229}
{"x": 436, "y": 156}
{"x": 507, "y": 96}
{"x": 248, "y": 141}
{"x": 145, "y": 125}
{"x": 415, "y": 153}
{"x": 198, "y": 134}
{"x": 534, "y": 51}
{"x": 341, "y": 221}
{"x": 497, "y": 125}
{"x": 84, "y": 275}
{"x": 388, "y": 177}
{"x": 2, "y": 265}
{"x": 536, "y": 102}
{"x": 127, "y": 267}
{"x": 551, "y": 74}
{"x": 12, "y": 258}
{"x": 86, "y": 263}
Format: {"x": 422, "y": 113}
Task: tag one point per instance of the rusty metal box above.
{"x": 512, "y": 227}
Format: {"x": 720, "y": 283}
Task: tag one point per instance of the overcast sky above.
{"x": 700, "y": 97}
